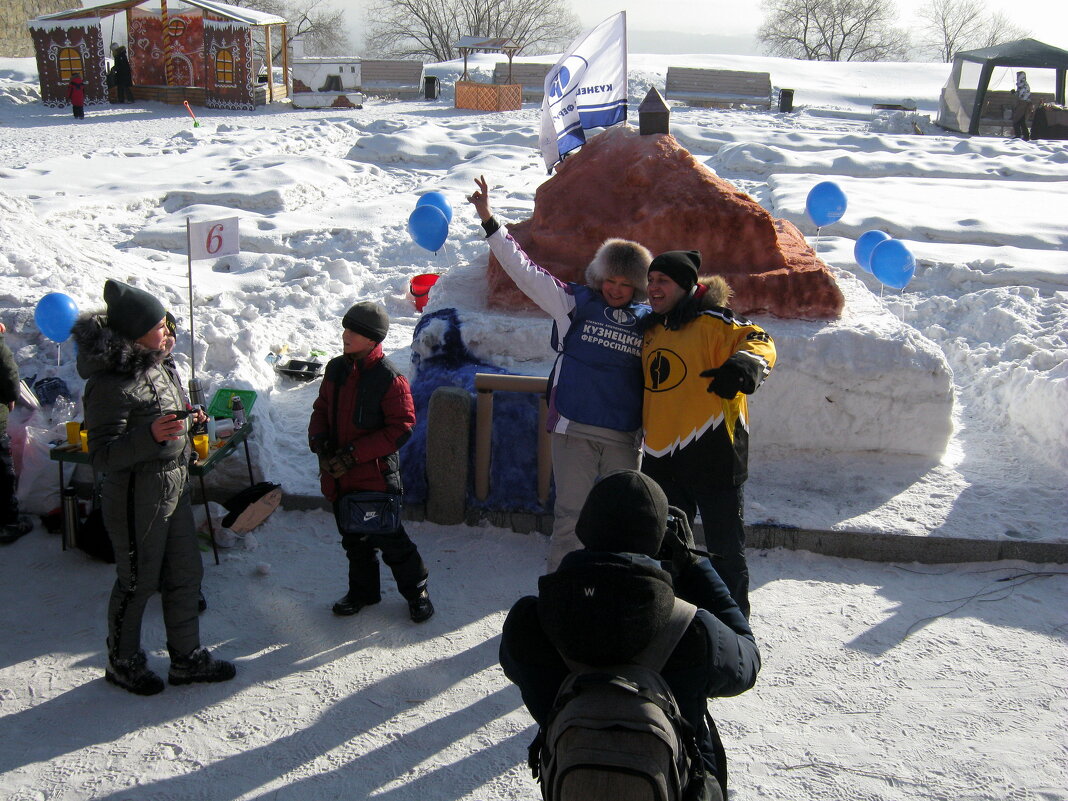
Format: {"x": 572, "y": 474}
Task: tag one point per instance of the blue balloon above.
{"x": 865, "y": 245}
{"x": 892, "y": 263}
{"x": 54, "y": 315}
{"x": 428, "y": 227}
{"x": 826, "y": 203}
{"x": 437, "y": 200}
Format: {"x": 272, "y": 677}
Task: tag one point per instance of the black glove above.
{"x": 678, "y": 547}
{"x": 727, "y": 380}
{"x": 320, "y": 444}
{"x": 340, "y": 463}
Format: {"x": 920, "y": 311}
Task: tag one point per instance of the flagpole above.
{"x": 196, "y": 392}
{"x": 189, "y": 262}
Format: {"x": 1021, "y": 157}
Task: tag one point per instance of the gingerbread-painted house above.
{"x": 201, "y": 51}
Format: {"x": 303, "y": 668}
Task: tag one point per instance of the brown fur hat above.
{"x": 624, "y": 258}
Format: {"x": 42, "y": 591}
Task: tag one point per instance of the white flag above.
{"x": 214, "y": 238}
{"x": 586, "y": 89}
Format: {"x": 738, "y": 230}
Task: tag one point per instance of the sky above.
{"x": 1046, "y": 17}
{"x": 938, "y": 413}
{"x": 723, "y": 26}
{"x": 738, "y": 21}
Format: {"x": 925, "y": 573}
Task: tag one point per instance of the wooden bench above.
{"x": 999, "y": 103}
{"x": 908, "y": 105}
{"x": 530, "y": 75}
{"x": 705, "y": 87}
{"x": 401, "y": 79}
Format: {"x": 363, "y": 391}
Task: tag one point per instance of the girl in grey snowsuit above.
{"x": 139, "y": 450}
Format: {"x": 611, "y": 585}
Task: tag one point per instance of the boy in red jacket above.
{"x": 363, "y": 414}
{"x": 76, "y": 95}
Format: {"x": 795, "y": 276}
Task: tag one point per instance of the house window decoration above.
{"x": 69, "y": 61}
{"x": 235, "y": 39}
{"x": 224, "y": 67}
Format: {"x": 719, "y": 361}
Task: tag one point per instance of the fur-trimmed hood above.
{"x": 102, "y": 349}
{"x": 603, "y": 608}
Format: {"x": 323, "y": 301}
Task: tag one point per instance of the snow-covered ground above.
{"x": 880, "y": 681}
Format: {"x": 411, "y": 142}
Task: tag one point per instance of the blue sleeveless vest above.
{"x": 600, "y": 365}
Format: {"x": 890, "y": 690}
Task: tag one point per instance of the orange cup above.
{"x": 74, "y": 432}
{"x": 200, "y": 445}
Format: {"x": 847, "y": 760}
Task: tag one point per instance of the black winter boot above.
{"x": 419, "y": 608}
{"x": 349, "y": 604}
{"x": 199, "y": 666}
{"x": 133, "y": 674}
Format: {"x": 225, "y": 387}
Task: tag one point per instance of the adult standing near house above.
{"x": 595, "y": 389}
{"x": 123, "y": 75}
{"x": 696, "y": 419}
{"x": 1022, "y": 108}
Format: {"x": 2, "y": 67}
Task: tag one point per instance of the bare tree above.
{"x": 950, "y": 25}
{"x": 320, "y": 28}
{"x": 429, "y": 29}
{"x": 1000, "y": 29}
{"x": 832, "y": 30}
{"x": 953, "y": 25}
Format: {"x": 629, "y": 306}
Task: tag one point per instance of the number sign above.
{"x": 214, "y": 238}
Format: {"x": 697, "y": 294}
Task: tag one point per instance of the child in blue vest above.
{"x": 595, "y": 390}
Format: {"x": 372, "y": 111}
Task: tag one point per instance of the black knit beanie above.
{"x": 367, "y": 319}
{"x": 132, "y": 312}
{"x": 625, "y": 512}
{"x": 679, "y": 265}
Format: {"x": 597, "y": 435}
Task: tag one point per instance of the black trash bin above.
{"x": 786, "y": 100}
{"x": 431, "y": 87}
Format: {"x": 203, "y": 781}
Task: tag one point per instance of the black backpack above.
{"x": 616, "y": 733}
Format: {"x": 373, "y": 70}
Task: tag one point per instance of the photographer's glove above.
{"x": 727, "y": 380}
{"x": 341, "y": 462}
{"x": 679, "y": 552}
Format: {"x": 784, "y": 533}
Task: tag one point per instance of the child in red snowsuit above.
{"x": 76, "y": 95}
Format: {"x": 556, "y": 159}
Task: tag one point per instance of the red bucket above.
{"x": 420, "y": 288}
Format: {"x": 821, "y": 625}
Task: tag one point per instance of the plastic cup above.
{"x": 74, "y": 435}
{"x": 84, "y": 436}
{"x": 200, "y": 445}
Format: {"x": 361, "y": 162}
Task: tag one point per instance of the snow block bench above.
{"x": 400, "y": 79}
{"x": 705, "y": 87}
{"x": 530, "y": 75}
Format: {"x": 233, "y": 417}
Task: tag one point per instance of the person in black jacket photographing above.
{"x": 606, "y": 602}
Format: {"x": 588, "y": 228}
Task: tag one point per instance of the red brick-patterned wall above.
{"x": 147, "y": 53}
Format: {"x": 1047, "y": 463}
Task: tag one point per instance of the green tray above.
{"x": 220, "y": 403}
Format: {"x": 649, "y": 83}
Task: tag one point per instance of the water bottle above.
{"x": 213, "y": 434}
{"x": 238, "y": 408}
{"x": 70, "y": 518}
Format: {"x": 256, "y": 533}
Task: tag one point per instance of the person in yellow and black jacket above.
{"x": 700, "y": 360}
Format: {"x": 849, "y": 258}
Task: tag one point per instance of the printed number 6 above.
{"x": 214, "y": 240}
